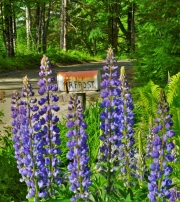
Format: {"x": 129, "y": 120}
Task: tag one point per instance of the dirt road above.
{"x": 13, "y": 81}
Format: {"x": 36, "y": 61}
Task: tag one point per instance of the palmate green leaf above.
{"x": 148, "y": 100}
{"x": 173, "y": 90}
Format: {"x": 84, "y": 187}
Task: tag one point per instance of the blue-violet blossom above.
{"x": 161, "y": 154}
{"x": 78, "y": 149}
{"x": 110, "y": 135}
{"x": 24, "y": 137}
{"x": 47, "y": 137}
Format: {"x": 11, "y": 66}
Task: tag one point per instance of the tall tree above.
{"x": 28, "y": 26}
{"x": 63, "y": 31}
{"x": 8, "y": 26}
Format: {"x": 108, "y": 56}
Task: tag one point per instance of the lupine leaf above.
{"x": 173, "y": 89}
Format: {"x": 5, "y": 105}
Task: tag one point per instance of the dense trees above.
{"x": 157, "y": 39}
{"x": 148, "y": 32}
{"x": 87, "y": 25}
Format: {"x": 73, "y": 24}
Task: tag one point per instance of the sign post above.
{"x": 79, "y": 82}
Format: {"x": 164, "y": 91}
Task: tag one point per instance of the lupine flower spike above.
{"x": 24, "y": 138}
{"x": 78, "y": 149}
{"x": 47, "y": 137}
{"x": 162, "y": 146}
{"x": 125, "y": 125}
{"x": 110, "y": 135}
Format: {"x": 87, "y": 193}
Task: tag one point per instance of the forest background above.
{"x": 74, "y": 30}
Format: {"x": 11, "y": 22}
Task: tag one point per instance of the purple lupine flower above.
{"x": 174, "y": 194}
{"x": 16, "y": 123}
{"x": 23, "y": 138}
{"x": 110, "y": 135}
{"x": 47, "y": 136}
{"x": 125, "y": 122}
{"x": 77, "y": 154}
{"x": 161, "y": 154}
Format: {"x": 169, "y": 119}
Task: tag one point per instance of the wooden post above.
{"x": 83, "y": 99}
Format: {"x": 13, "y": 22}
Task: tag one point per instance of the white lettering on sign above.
{"x": 77, "y": 85}
{"x": 79, "y": 81}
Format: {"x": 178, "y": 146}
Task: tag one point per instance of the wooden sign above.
{"x": 79, "y": 81}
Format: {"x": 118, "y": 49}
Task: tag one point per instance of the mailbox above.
{"x": 79, "y": 81}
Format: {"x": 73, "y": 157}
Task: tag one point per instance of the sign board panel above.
{"x": 79, "y": 81}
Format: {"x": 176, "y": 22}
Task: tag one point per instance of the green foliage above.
{"x": 64, "y": 139}
{"x": 70, "y": 57}
{"x": 157, "y": 40}
{"x": 64, "y": 194}
{"x": 119, "y": 191}
{"x": 32, "y": 60}
{"x": 93, "y": 121}
{"x": 146, "y": 99}
{"x": 19, "y": 62}
{"x": 21, "y": 41}
{"x": 173, "y": 91}
{"x": 11, "y": 189}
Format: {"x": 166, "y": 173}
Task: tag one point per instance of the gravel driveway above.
{"x": 13, "y": 81}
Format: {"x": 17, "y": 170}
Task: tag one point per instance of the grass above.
{"x": 31, "y": 60}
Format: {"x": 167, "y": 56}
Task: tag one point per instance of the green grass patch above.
{"x": 31, "y": 61}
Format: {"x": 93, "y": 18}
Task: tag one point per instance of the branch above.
{"x": 73, "y": 26}
{"x": 121, "y": 26}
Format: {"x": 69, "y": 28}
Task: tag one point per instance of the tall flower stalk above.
{"x": 24, "y": 137}
{"x": 161, "y": 154}
{"x": 110, "y": 136}
{"x": 36, "y": 136}
{"x": 47, "y": 137}
{"x": 125, "y": 126}
{"x": 78, "y": 149}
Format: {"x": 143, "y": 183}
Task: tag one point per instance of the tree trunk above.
{"x": 115, "y": 36}
{"x": 46, "y": 25}
{"x": 11, "y": 35}
{"x": 114, "y": 27}
{"x": 31, "y": 40}
{"x": 2, "y": 28}
{"x": 38, "y": 28}
{"x": 28, "y": 27}
{"x": 95, "y": 50}
{"x": 43, "y": 28}
{"x": 110, "y": 26}
{"x": 62, "y": 26}
{"x": 63, "y": 33}
{"x": 131, "y": 34}
{"x": 65, "y": 25}
{"x": 132, "y": 29}
{"x": 14, "y": 29}
{"x": 8, "y": 30}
